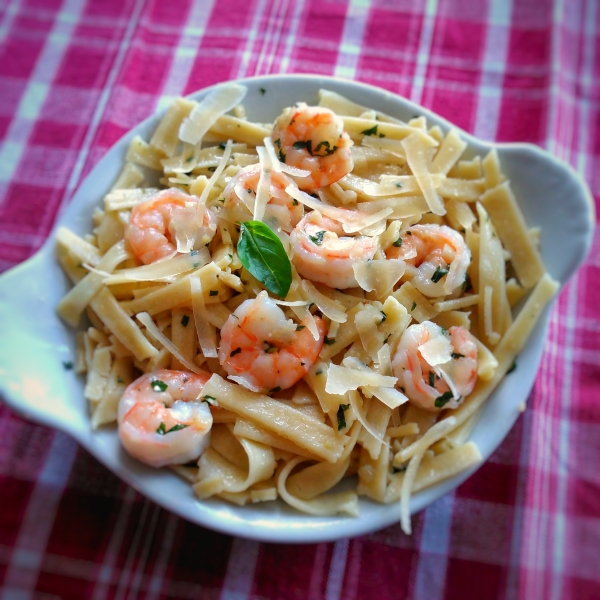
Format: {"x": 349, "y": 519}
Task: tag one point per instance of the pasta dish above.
{"x": 271, "y": 308}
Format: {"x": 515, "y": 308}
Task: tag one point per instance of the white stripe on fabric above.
{"x": 337, "y": 570}
{"x": 136, "y": 560}
{"x": 558, "y": 563}
{"x": 271, "y": 37}
{"x": 352, "y": 37}
{"x": 37, "y": 89}
{"x": 186, "y": 52}
{"x": 111, "y": 555}
{"x": 239, "y": 577}
{"x": 252, "y": 34}
{"x": 103, "y": 100}
{"x": 28, "y": 551}
{"x": 425, "y": 40}
{"x": 10, "y": 14}
{"x": 494, "y": 62}
{"x": 160, "y": 566}
{"x": 430, "y": 578}
{"x": 555, "y": 65}
{"x": 298, "y": 10}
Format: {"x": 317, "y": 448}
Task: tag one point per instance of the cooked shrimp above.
{"x": 281, "y": 211}
{"x": 436, "y": 369}
{"x": 151, "y": 230}
{"x": 264, "y": 351}
{"x": 323, "y": 253}
{"x": 162, "y": 420}
{"x": 313, "y": 138}
{"x": 438, "y": 256}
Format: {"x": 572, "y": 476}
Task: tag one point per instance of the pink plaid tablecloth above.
{"x": 75, "y": 75}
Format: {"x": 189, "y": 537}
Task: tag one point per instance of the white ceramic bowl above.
{"x": 34, "y": 342}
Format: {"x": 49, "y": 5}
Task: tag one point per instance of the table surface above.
{"x": 76, "y": 75}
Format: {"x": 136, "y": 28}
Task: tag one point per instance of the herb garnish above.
{"x": 512, "y": 367}
{"x": 341, "y": 417}
{"x": 372, "y": 131}
{"x": 212, "y": 169}
{"x": 431, "y": 379}
{"x": 414, "y": 305}
{"x": 329, "y": 341}
{"x": 440, "y": 401}
{"x": 213, "y": 293}
{"x": 317, "y": 239}
{"x": 262, "y": 91}
{"x": 158, "y": 385}
{"x": 163, "y": 431}
{"x": 185, "y": 320}
{"x": 234, "y": 352}
{"x": 384, "y": 317}
{"x": 457, "y": 355}
{"x": 210, "y": 400}
{"x": 300, "y": 327}
{"x": 398, "y": 243}
{"x": 275, "y": 389}
{"x": 263, "y": 254}
{"x": 67, "y": 365}
{"x": 439, "y": 273}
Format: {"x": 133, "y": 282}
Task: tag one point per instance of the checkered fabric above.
{"x": 76, "y": 74}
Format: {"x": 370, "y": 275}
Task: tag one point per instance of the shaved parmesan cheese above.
{"x": 389, "y": 395}
{"x": 205, "y": 114}
{"x": 280, "y": 167}
{"x": 416, "y": 146}
{"x": 352, "y": 220}
{"x": 162, "y": 270}
{"x": 216, "y": 174}
{"x": 402, "y": 207}
{"x": 387, "y": 145}
{"x": 354, "y": 401}
{"x": 437, "y": 350}
{"x": 125, "y": 199}
{"x": 379, "y": 276}
{"x": 207, "y": 337}
{"x": 341, "y": 380}
{"x": 264, "y": 184}
{"x": 332, "y": 309}
{"x": 366, "y": 322}
{"x": 146, "y": 320}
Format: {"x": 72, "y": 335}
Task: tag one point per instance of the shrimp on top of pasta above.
{"x": 272, "y": 307}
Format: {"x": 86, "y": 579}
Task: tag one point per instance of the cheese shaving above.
{"x": 264, "y": 184}
{"x": 437, "y": 350}
{"x": 352, "y": 220}
{"x": 332, "y": 309}
{"x": 162, "y": 270}
{"x": 146, "y": 320}
{"x": 216, "y": 103}
{"x": 379, "y": 276}
{"x": 416, "y": 145}
{"x": 206, "y": 332}
{"x": 341, "y": 380}
{"x": 280, "y": 167}
{"x": 353, "y": 400}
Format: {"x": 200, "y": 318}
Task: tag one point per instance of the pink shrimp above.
{"x": 323, "y": 253}
{"x": 162, "y": 419}
{"x": 151, "y": 230}
{"x": 264, "y": 351}
{"x": 313, "y": 138}
{"x": 281, "y": 210}
{"x": 437, "y": 256}
{"x": 435, "y": 368}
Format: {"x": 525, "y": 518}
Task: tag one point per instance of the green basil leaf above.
{"x": 263, "y": 254}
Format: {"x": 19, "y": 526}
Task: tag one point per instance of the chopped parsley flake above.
{"x": 457, "y": 355}
{"x": 341, "y": 417}
{"x": 319, "y": 372}
{"x": 275, "y": 389}
{"x": 234, "y": 352}
{"x": 431, "y": 379}
{"x": 262, "y": 91}
{"x": 414, "y": 305}
{"x": 163, "y": 431}
{"x": 210, "y": 400}
{"x": 440, "y": 401}
{"x": 213, "y": 293}
{"x": 387, "y": 338}
{"x": 439, "y": 273}
{"x": 372, "y": 131}
{"x": 384, "y": 317}
{"x": 67, "y": 365}
{"x": 329, "y": 341}
{"x": 212, "y": 169}
{"x": 222, "y": 145}
{"x": 512, "y": 367}
{"x": 119, "y": 380}
{"x": 159, "y": 386}
{"x": 398, "y": 243}
{"x": 317, "y": 239}
{"x": 300, "y": 327}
